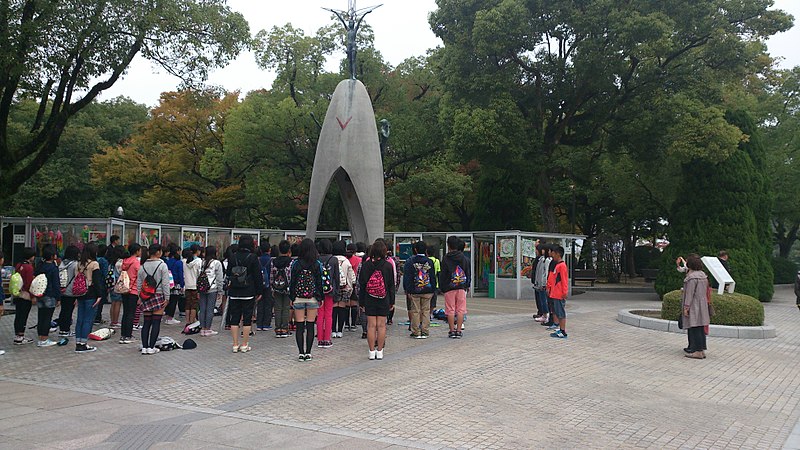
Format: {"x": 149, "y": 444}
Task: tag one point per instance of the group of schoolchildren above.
{"x": 311, "y": 289}
{"x": 550, "y": 279}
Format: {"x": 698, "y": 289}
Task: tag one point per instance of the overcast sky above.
{"x": 401, "y": 31}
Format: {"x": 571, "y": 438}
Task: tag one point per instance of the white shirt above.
{"x": 190, "y": 273}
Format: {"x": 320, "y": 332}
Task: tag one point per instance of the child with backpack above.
{"x": 419, "y": 283}
{"x": 330, "y": 290}
{"x": 245, "y": 288}
{"x": 95, "y": 288}
{"x": 22, "y": 299}
{"x": 66, "y": 275}
{"x": 153, "y": 286}
{"x": 454, "y": 281}
{"x": 209, "y": 286}
{"x": 47, "y": 271}
{"x": 192, "y": 266}
{"x": 347, "y": 278}
{"x": 265, "y": 308}
{"x": 127, "y": 286}
{"x": 176, "y": 296}
{"x": 432, "y": 251}
{"x": 376, "y": 296}
{"x": 279, "y": 276}
{"x": 305, "y": 290}
{"x": 398, "y": 277}
{"x": 354, "y": 257}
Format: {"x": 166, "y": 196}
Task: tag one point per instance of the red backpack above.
{"x": 376, "y": 286}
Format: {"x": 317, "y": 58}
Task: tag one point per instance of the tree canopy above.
{"x": 62, "y": 55}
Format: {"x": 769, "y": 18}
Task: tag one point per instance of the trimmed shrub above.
{"x": 729, "y": 309}
{"x": 785, "y": 270}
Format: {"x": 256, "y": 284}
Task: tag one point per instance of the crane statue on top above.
{"x": 352, "y": 22}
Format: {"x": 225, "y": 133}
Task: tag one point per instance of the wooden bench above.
{"x": 649, "y": 274}
{"x": 584, "y": 275}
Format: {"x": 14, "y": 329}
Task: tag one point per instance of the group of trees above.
{"x": 624, "y": 121}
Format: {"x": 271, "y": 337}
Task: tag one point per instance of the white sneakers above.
{"x": 172, "y": 321}
{"x": 372, "y": 354}
{"x": 46, "y": 343}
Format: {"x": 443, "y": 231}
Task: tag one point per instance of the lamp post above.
{"x": 119, "y": 212}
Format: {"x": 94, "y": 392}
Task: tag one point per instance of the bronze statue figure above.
{"x": 351, "y": 26}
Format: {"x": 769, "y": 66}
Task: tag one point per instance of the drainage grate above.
{"x": 134, "y": 437}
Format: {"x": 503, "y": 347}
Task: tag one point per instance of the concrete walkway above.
{"x": 507, "y": 384}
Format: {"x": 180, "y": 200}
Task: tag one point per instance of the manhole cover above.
{"x": 144, "y": 436}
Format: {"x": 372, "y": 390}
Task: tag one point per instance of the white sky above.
{"x": 401, "y": 31}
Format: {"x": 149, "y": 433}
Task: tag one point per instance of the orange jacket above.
{"x": 558, "y": 282}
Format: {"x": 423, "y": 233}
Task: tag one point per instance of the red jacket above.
{"x": 25, "y": 270}
{"x": 558, "y": 282}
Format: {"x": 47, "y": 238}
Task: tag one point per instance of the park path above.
{"x": 507, "y": 384}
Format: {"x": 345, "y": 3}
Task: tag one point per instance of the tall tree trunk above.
{"x": 548, "y": 207}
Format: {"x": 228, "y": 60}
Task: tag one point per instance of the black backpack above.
{"x": 240, "y": 276}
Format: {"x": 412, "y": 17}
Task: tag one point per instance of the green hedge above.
{"x": 784, "y": 269}
{"x": 730, "y": 309}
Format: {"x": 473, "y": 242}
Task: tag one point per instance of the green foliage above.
{"x": 63, "y": 188}
{"x": 528, "y": 82}
{"x": 729, "y": 309}
{"x": 720, "y": 207}
{"x": 785, "y": 270}
{"x": 64, "y": 54}
{"x": 646, "y": 257}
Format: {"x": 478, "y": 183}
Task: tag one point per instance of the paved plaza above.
{"x": 507, "y": 384}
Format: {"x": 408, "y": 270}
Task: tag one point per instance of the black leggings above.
{"x": 21, "y": 315}
{"x": 241, "y": 310}
{"x": 129, "y": 302}
{"x": 45, "y": 316}
{"x": 174, "y": 301}
{"x": 65, "y": 315}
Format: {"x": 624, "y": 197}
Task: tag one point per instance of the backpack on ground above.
{"x": 192, "y": 328}
{"x": 203, "y": 284}
{"x": 458, "y": 279}
{"x": 166, "y": 343}
{"x": 102, "y": 334}
{"x": 327, "y": 283}
{"x": 279, "y": 278}
{"x": 240, "y": 278}
{"x": 376, "y": 285}
{"x": 15, "y": 284}
{"x": 305, "y": 283}
{"x": 149, "y": 285}
{"x": 123, "y": 284}
{"x": 79, "y": 285}
{"x": 38, "y": 285}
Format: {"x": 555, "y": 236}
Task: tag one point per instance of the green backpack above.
{"x": 15, "y": 284}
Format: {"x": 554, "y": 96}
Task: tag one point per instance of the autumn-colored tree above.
{"x": 179, "y": 160}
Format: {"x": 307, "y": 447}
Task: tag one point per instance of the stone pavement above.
{"x": 505, "y": 385}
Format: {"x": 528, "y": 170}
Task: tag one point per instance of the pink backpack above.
{"x": 376, "y": 286}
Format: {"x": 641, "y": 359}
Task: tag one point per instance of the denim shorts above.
{"x": 305, "y": 303}
{"x": 559, "y": 308}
